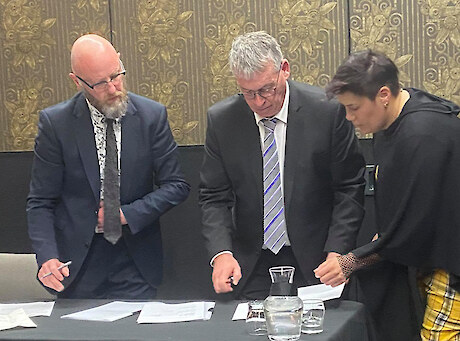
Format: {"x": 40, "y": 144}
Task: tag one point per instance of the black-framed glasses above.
{"x": 265, "y": 92}
{"x": 103, "y": 85}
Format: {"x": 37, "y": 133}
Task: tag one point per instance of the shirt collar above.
{"x": 282, "y": 115}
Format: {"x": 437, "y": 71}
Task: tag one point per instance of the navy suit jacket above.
{"x": 323, "y": 181}
{"x": 65, "y": 184}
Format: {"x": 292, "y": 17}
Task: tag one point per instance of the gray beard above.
{"x": 115, "y": 111}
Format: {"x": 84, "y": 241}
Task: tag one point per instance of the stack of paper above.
{"x": 108, "y": 312}
{"x": 30, "y": 309}
{"x": 157, "y": 312}
{"x": 320, "y": 291}
{"x": 16, "y": 318}
{"x": 151, "y": 312}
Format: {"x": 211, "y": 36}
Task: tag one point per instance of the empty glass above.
{"x": 255, "y": 320}
{"x": 313, "y": 316}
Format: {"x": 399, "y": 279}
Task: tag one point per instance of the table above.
{"x": 344, "y": 322}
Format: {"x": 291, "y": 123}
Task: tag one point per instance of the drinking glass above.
{"x": 255, "y": 320}
{"x": 313, "y": 316}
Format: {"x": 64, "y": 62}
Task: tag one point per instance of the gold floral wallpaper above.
{"x": 175, "y": 51}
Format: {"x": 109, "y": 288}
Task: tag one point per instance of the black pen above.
{"x": 59, "y": 268}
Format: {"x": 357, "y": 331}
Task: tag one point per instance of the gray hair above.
{"x": 252, "y": 51}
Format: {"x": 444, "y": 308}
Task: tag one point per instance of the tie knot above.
{"x": 269, "y": 123}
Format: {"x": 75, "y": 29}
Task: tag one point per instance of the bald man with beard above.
{"x": 65, "y": 206}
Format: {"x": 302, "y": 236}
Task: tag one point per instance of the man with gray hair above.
{"x": 271, "y": 193}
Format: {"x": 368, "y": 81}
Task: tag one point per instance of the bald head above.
{"x": 92, "y": 53}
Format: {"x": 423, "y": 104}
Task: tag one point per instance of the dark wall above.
{"x": 14, "y": 186}
{"x": 186, "y": 269}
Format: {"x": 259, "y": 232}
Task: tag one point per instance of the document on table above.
{"x": 108, "y": 312}
{"x": 158, "y": 312}
{"x": 241, "y": 312}
{"x": 320, "y": 291}
{"x": 31, "y": 309}
{"x": 16, "y": 318}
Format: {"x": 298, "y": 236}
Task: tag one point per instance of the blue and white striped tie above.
{"x": 275, "y": 235}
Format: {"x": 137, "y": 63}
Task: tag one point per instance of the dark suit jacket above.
{"x": 323, "y": 180}
{"x": 64, "y": 193}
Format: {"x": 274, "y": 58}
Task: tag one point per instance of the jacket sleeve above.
{"x": 170, "y": 186}
{"x": 347, "y": 169}
{"x": 45, "y": 190}
{"x": 216, "y": 196}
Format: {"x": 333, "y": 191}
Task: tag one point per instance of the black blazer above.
{"x": 323, "y": 180}
{"x": 64, "y": 193}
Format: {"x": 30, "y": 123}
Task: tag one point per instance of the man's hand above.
{"x": 329, "y": 272}
{"x": 226, "y": 271}
{"x": 54, "y": 280}
{"x": 100, "y": 217}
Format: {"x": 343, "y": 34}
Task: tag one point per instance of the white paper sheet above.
{"x": 30, "y": 309}
{"x": 108, "y": 312}
{"x": 16, "y": 318}
{"x": 158, "y": 312}
{"x": 320, "y": 291}
{"x": 241, "y": 312}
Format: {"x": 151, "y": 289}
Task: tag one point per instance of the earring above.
{"x": 385, "y": 105}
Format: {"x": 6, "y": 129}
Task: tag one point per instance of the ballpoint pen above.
{"x": 59, "y": 268}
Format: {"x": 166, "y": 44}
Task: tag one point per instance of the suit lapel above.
{"x": 84, "y": 135}
{"x": 129, "y": 137}
{"x": 295, "y": 129}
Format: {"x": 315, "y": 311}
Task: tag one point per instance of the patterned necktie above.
{"x": 112, "y": 224}
{"x": 275, "y": 235}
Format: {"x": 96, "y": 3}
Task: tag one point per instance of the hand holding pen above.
{"x": 52, "y": 273}
{"x": 59, "y": 268}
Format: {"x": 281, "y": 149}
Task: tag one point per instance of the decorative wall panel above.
{"x": 422, "y": 37}
{"x": 35, "y": 41}
{"x": 175, "y": 51}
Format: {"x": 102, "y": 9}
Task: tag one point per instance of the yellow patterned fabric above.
{"x": 442, "y": 315}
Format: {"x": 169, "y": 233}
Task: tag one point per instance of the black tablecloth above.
{"x": 345, "y": 322}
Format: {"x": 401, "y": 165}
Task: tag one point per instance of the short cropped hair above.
{"x": 252, "y": 51}
{"x": 364, "y": 73}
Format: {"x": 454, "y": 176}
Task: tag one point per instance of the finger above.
{"x": 53, "y": 283}
{"x": 328, "y": 278}
{"x": 337, "y": 281}
{"x": 222, "y": 286}
{"x": 57, "y": 274}
{"x": 236, "y": 275}
{"x": 221, "y": 282}
{"x": 65, "y": 271}
{"x": 321, "y": 270}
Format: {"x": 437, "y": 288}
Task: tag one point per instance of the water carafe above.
{"x": 283, "y": 308}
